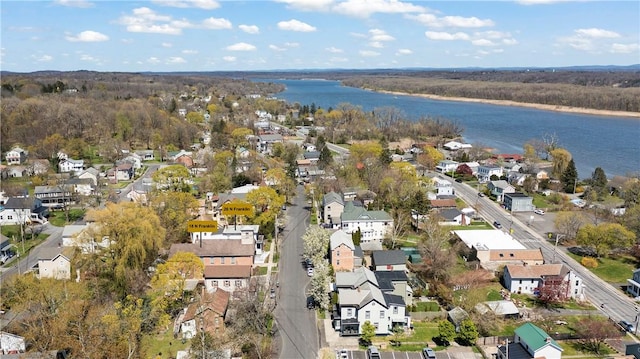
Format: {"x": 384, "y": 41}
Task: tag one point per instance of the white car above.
{"x": 342, "y": 354}
{"x": 310, "y": 271}
{"x": 539, "y": 211}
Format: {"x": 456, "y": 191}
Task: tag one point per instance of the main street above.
{"x": 296, "y": 324}
{"x": 610, "y": 300}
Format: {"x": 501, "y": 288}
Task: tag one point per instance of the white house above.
{"x": 332, "y": 208}
{"x": 360, "y": 300}
{"x": 486, "y": 171}
{"x": 527, "y": 279}
{"x": 16, "y": 211}
{"x": 455, "y": 145}
{"x": 70, "y": 165}
{"x": 447, "y": 166}
{"x": 52, "y": 263}
{"x": 443, "y": 187}
{"x": 633, "y": 287}
{"x": 530, "y": 342}
{"x": 16, "y": 156}
{"x": 246, "y": 233}
{"x": 373, "y": 225}
{"x": 83, "y": 237}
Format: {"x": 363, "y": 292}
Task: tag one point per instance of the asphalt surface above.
{"x": 531, "y": 232}
{"x": 297, "y": 328}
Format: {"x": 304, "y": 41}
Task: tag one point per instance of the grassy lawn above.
{"x": 163, "y": 343}
{"x": 261, "y": 271}
{"x": 472, "y": 226}
{"x": 615, "y": 269}
{"x": 573, "y": 348}
{"x": 59, "y": 219}
{"x": 13, "y": 233}
{"x": 423, "y": 333}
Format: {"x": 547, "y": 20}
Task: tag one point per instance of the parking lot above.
{"x": 453, "y": 353}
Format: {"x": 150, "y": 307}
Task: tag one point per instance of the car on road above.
{"x": 311, "y": 303}
{"x": 310, "y": 271}
{"x": 480, "y": 194}
{"x": 373, "y": 352}
{"x": 272, "y": 293}
{"x": 539, "y": 211}
{"x": 497, "y": 224}
{"x": 428, "y": 353}
{"x": 459, "y": 180}
{"x": 627, "y": 326}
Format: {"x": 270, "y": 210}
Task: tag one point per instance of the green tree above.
{"x": 123, "y": 327}
{"x": 605, "y": 237}
{"x": 134, "y": 244}
{"x": 195, "y": 117}
{"x": 446, "y": 332}
{"x": 174, "y": 210}
{"x": 599, "y": 181}
{"x": 172, "y": 178}
{"x": 267, "y": 203}
{"x": 560, "y": 160}
{"x": 468, "y": 332}
{"x": 570, "y": 177}
{"x": 368, "y": 332}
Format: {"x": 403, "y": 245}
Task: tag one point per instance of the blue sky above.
{"x": 209, "y": 35}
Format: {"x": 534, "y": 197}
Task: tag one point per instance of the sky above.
{"x": 215, "y": 35}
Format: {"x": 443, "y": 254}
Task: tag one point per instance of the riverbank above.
{"x": 537, "y": 106}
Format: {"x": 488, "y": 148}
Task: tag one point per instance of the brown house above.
{"x": 207, "y": 313}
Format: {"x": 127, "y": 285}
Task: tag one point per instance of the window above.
{"x": 382, "y": 314}
{"x": 577, "y": 282}
{"x": 395, "y": 310}
{"x": 233, "y": 260}
{"x": 227, "y": 283}
{"x": 367, "y": 315}
{"x": 376, "y": 325}
{"x": 349, "y": 312}
{"x": 338, "y": 262}
{"x": 520, "y": 281}
{"x": 238, "y": 283}
{"x": 337, "y": 253}
{"x": 221, "y": 260}
{"x": 214, "y": 283}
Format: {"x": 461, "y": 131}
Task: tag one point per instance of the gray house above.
{"x": 384, "y": 260}
{"x": 518, "y": 202}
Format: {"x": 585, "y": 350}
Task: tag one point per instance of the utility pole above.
{"x": 555, "y": 248}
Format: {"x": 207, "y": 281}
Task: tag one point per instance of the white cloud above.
{"x": 596, "y": 33}
{"x": 291, "y": 44}
{"x": 200, "y": 4}
{"x": 146, "y": 20}
{"x": 75, "y": 3}
{"x": 216, "y": 24}
{"x": 241, "y": 46}
{"x": 380, "y": 35}
{"x": 445, "y": 36}
{"x": 376, "y": 44}
{"x": 510, "y": 41}
{"x": 87, "y": 36}
{"x": 276, "y": 48}
{"x": 189, "y": 52}
{"x": 334, "y": 50}
{"x": 176, "y": 60}
{"x": 364, "y": 8}
{"x": 404, "y": 52}
{"x": 250, "y": 29}
{"x": 338, "y": 59}
{"x": 308, "y": 5}
{"x": 89, "y": 58}
{"x": 295, "y": 25}
{"x": 229, "y": 58}
{"x": 43, "y": 58}
{"x": 357, "y": 35}
{"x": 127, "y": 41}
{"x": 153, "y": 60}
{"x": 432, "y": 20}
{"x": 167, "y": 44}
{"x": 623, "y": 48}
{"x": 482, "y": 42}
{"x": 367, "y": 53}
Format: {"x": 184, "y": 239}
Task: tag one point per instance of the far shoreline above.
{"x": 556, "y": 108}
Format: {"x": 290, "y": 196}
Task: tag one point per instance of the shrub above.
{"x": 589, "y": 262}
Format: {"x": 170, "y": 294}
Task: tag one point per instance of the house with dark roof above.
{"x": 372, "y": 225}
{"x": 228, "y": 264}
{"x": 526, "y": 279}
{"x": 16, "y": 211}
{"x": 16, "y": 156}
{"x": 453, "y": 217}
{"x": 360, "y": 300}
{"x": 389, "y": 260}
{"x": 265, "y": 142}
{"x": 207, "y": 313}
{"x": 499, "y": 188}
{"x": 395, "y": 282}
{"x": 530, "y": 342}
{"x": 332, "y": 208}
{"x": 633, "y": 284}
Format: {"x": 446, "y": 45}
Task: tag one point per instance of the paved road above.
{"x": 296, "y": 324}
{"x": 617, "y": 305}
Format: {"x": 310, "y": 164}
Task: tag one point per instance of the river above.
{"x": 612, "y": 143}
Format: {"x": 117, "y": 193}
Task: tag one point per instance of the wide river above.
{"x": 612, "y": 143}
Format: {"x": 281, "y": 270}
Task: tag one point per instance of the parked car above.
{"x": 497, "y": 224}
{"x": 480, "y": 194}
{"x": 310, "y": 302}
{"x": 428, "y": 353}
{"x": 4, "y": 258}
{"x": 627, "y": 326}
{"x": 539, "y": 211}
{"x": 459, "y": 180}
{"x": 272, "y": 293}
{"x": 373, "y": 352}
{"x": 342, "y": 354}
{"x": 310, "y": 271}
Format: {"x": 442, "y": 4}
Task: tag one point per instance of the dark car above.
{"x": 310, "y": 303}
{"x": 497, "y": 224}
{"x": 459, "y": 180}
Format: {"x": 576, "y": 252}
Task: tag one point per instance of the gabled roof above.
{"x": 356, "y": 278}
{"x": 332, "y": 197}
{"x": 19, "y": 203}
{"x": 534, "y": 271}
{"x": 361, "y": 296}
{"x": 500, "y": 184}
{"x": 457, "y": 315}
{"x": 515, "y": 254}
{"x": 535, "y": 337}
{"x": 341, "y": 237}
{"x": 388, "y": 257}
{"x": 216, "y": 302}
{"x": 311, "y": 155}
{"x": 498, "y": 307}
{"x": 215, "y": 248}
{"x": 51, "y": 253}
{"x": 393, "y": 299}
{"x": 449, "y": 214}
{"x": 443, "y": 203}
{"x": 353, "y": 213}
{"x": 386, "y": 279}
